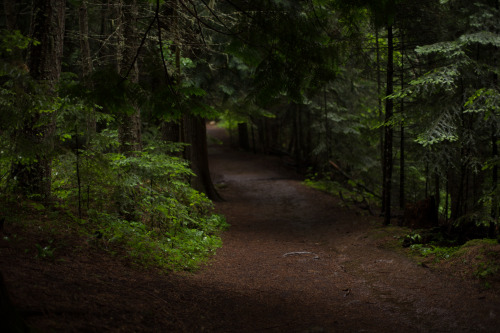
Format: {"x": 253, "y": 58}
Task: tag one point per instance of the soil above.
{"x": 294, "y": 260}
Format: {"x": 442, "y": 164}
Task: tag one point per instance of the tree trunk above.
{"x": 326, "y": 127}
{"x": 129, "y": 130}
{"x": 402, "y": 199}
{"x": 494, "y": 177}
{"x": 244, "y": 143}
{"x": 44, "y": 63}
{"x": 437, "y": 190}
{"x": 402, "y": 156}
{"x": 380, "y": 113}
{"x": 170, "y": 131}
{"x": 389, "y": 105}
{"x": 87, "y": 66}
{"x": 9, "y": 7}
{"x": 196, "y": 136}
{"x": 86, "y": 59}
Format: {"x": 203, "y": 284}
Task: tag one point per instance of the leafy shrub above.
{"x": 142, "y": 202}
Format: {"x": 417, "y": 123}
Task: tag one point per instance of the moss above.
{"x": 479, "y": 242}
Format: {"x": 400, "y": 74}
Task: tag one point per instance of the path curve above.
{"x": 295, "y": 260}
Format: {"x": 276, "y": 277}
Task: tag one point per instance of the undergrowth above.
{"x": 140, "y": 206}
{"x": 477, "y": 258}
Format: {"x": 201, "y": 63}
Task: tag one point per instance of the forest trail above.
{"x": 293, "y": 260}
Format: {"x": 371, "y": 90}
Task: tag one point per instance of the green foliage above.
{"x": 297, "y": 57}
{"x": 11, "y": 40}
{"x": 45, "y": 252}
{"x": 141, "y": 202}
{"x": 437, "y": 252}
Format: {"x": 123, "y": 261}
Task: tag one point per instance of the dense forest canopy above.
{"x": 104, "y": 106}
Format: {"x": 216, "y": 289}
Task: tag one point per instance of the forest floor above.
{"x": 294, "y": 260}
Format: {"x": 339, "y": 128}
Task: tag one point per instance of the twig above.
{"x": 299, "y": 253}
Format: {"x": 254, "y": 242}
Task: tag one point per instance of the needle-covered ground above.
{"x": 293, "y": 260}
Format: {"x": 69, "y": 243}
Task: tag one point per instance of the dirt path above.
{"x": 300, "y": 262}
{"x": 294, "y": 260}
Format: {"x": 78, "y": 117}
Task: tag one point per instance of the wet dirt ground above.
{"x": 294, "y": 260}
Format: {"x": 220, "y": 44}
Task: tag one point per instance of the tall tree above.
{"x": 33, "y": 174}
{"x": 387, "y": 163}
{"x": 454, "y": 105}
{"x": 129, "y": 129}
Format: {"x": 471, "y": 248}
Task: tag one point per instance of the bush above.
{"x": 142, "y": 203}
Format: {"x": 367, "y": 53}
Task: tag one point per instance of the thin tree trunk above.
{"x": 86, "y": 59}
{"x": 300, "y": 139}
{"x": 87, "y": 66}
{"x": 437, "y": 190}
{"x": 254, "y": 147}
{"x": 243, "y": 136}
{"x": 494, "y": 152}
{"x": 380, "y": 115}
{"x": 105, "y": 52}
{"x": 447, "y": 197}
{"x": 389, "y": 105}
{"x": 9, "y": 7}
{"x": 402, "y": 199}
{"x": 326, "y": 126}
{"x": 494, "y": 177}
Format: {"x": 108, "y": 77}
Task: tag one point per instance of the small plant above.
{"x": 412, "y": 238}
{"x": 45, "y": 252}
{"x": 485, "y": 269}
{"x": 439, "y": 253}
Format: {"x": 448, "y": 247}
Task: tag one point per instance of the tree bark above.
{"x": 86, "y": 59}
{"x": 380, "y": 113}
{"x": 44, "y": 63}
{"x": 195, "y": 135}
{"x": 9, "y": 7}
{"x": 388, "y": 130}
{"x": 402, "y": 153}
{"x": 170, "y": 131}
{"x": 494, "y": 177}
{"x": 244, "y": 143}
{"x": 129, "y": 130}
